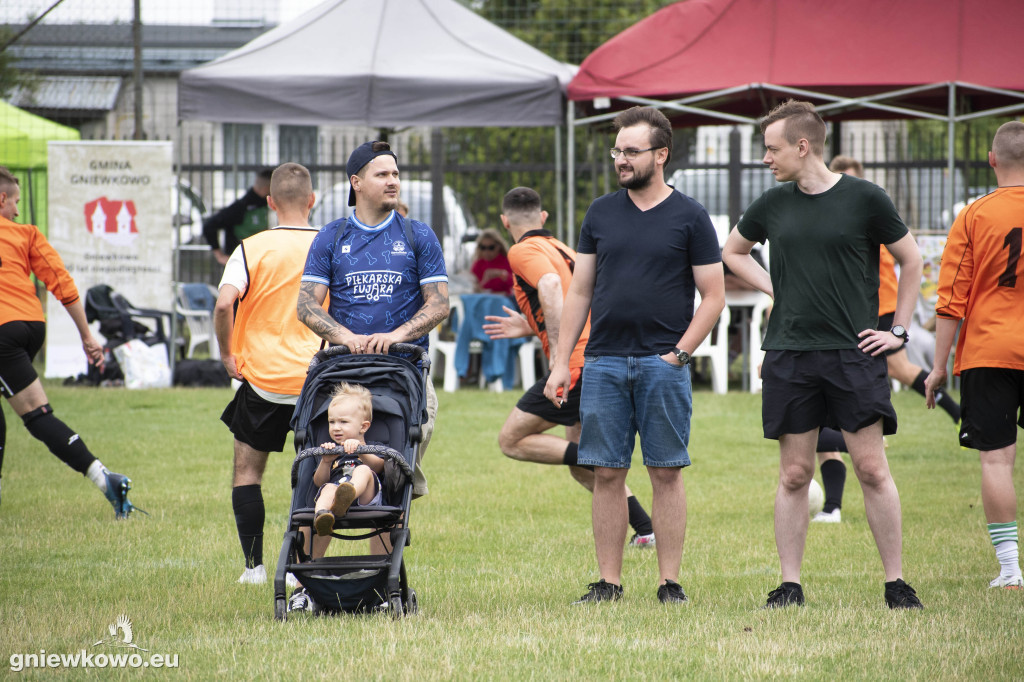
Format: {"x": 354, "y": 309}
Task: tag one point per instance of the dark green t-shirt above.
{"x": 823, "y": 260}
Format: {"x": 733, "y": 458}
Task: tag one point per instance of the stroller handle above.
{"x": 382, "y": 451}
{"x": 416, "y": 352}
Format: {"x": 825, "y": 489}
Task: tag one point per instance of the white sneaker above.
{"x": 828, "y": 517}
{"x": 254, "y": 576}
{"x": 1013, "y": 583}
{"x": 642, "y": 540}
{"x": 291, "y": 581}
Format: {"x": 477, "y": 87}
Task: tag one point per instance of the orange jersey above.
{"x": 24, "y": 251}
{"x": 887, "y": 282}
{"x": 532, "y": 257}
{"x": 981, "y": 280}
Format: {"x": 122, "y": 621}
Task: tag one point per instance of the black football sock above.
{"x": 3, "y": 440}
{"x": 250, "y": 513}
{"x": 638, "y": 517}
{"x": 61, "y": 440}
{"x": 572, "y": 451}
{"x": 833, "y": 477}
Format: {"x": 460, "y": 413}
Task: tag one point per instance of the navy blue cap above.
{"x": 362, "y": 155}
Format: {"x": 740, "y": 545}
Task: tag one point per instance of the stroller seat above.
{"x": 369, "y": 582}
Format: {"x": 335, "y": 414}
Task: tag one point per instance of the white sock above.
{"x": 97, "y": 473}
{"x": 1009, "y": 563}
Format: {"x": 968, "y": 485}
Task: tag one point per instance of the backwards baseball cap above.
{"x": 363, "y": 155}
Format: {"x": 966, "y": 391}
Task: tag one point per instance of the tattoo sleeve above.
{"x": 312, "y": 314}
{"x": 433, "y": 312}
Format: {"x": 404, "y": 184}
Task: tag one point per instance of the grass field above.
{"x": 499, "y": 551}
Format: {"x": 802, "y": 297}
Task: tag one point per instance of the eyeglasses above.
{"x": 488, "y": 247}
{"x": 630, "y": 154}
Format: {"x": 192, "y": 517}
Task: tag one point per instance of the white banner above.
{"x": 110, "y": 220}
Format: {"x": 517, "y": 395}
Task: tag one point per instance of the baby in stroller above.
{"x": 346, "y": 478}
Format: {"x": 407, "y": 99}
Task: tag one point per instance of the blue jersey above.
{"x": 373, "y": 275}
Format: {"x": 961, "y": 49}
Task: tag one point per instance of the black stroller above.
{"x": 357, "y": 584}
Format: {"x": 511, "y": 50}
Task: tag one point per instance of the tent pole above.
{"x": 949, "y": 187}
{"x": 560, "y": 217}
{"x": 570, "y": 170}
{"x": 176, "y": 264}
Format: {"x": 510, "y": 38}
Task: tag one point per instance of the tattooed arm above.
{"x": 312, "y": 314}
{"x": 431, "y": 314}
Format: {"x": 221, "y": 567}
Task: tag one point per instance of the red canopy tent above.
{"x": 720, "y": 61}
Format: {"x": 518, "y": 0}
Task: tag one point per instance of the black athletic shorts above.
{"x": 19, "y": 343}
{"x": 258, "y": 423}
{"x": 533, "y": 402}
{"x": 991, "y": 407}
{"x": 842, "y": 389}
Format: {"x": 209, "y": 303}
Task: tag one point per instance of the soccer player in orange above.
{"x": 543, "y": 267}
{"x": 24, "y": 251}
{"x": 981, "y": 282}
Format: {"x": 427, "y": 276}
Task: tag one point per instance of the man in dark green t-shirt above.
{"x": 824, "y": 363}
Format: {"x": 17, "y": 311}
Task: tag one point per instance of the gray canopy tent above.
{"x": 381, "y": 63}
{"x": 384, "y": 63}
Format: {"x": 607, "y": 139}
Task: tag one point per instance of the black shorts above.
{"x": 533, "y": 402}
{"x": 19, "y": 343}
{"x": 885, "y": 324}
{"x": 258, "y": 423}
{"x": 842, "y": 389}
{"x": 991, "y": 407}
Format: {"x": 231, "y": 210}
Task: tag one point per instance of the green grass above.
{"x": 499, "y": 551}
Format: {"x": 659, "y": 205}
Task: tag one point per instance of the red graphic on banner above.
{"x": 110, "y": 217}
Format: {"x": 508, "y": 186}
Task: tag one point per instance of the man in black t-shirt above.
{"x": 644, "y": 252}
{"x": 824, "y": 363}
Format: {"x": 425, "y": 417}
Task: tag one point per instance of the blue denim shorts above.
{"x": 624, "y": 396}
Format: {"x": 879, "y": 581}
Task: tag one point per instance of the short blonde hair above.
{"x": 362, "y": 396}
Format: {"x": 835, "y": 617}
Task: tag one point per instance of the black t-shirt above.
{"x": 823, "y": 260}
{"x": 644, "y": 290}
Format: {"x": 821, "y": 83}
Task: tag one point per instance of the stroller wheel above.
{"x": 411, "y": 603}
{"x": 396, "y": 607}
{"x": 280, "y": 609}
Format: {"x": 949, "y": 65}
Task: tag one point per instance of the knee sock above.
{"x": 247, "y": 501}
{"x": 1004, "y": 539}
{"x": 61, "y": 440}
{"x": 572, "y": 452}
{"x": 942, "y": 399}
{"x": 638, "y": 518}
{"x": 3, "y": 440}
{"x": 833, "y": 478}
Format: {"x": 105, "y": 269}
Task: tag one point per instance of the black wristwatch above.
{"x": 682, "y": 356}
{"x": 901, "y": 332}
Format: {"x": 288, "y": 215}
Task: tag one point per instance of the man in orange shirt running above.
{"x": 25, "y": 251}
{"x": 981, "y": 283}
{"x": 543, "y": 267}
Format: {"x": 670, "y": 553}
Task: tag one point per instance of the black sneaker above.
{"x": 899, "y": 595}
{"x": 785, "y": 594}
{"x": 601, "y": 591}
{"x": 300, "y": 601}
{"x": 671, "y": 593}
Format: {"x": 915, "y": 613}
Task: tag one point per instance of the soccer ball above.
{"x": 815, "y": 498}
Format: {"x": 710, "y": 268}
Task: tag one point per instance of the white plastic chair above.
{"x": 715, "y": 347}
{"x": 195, "y": 303}
{"x": 447, "y": 348}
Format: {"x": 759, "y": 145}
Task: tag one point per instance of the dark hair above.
{"x": 802, "y": 123}
{"x": 661, "y": 128}
{"x": 520, "y": 200}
